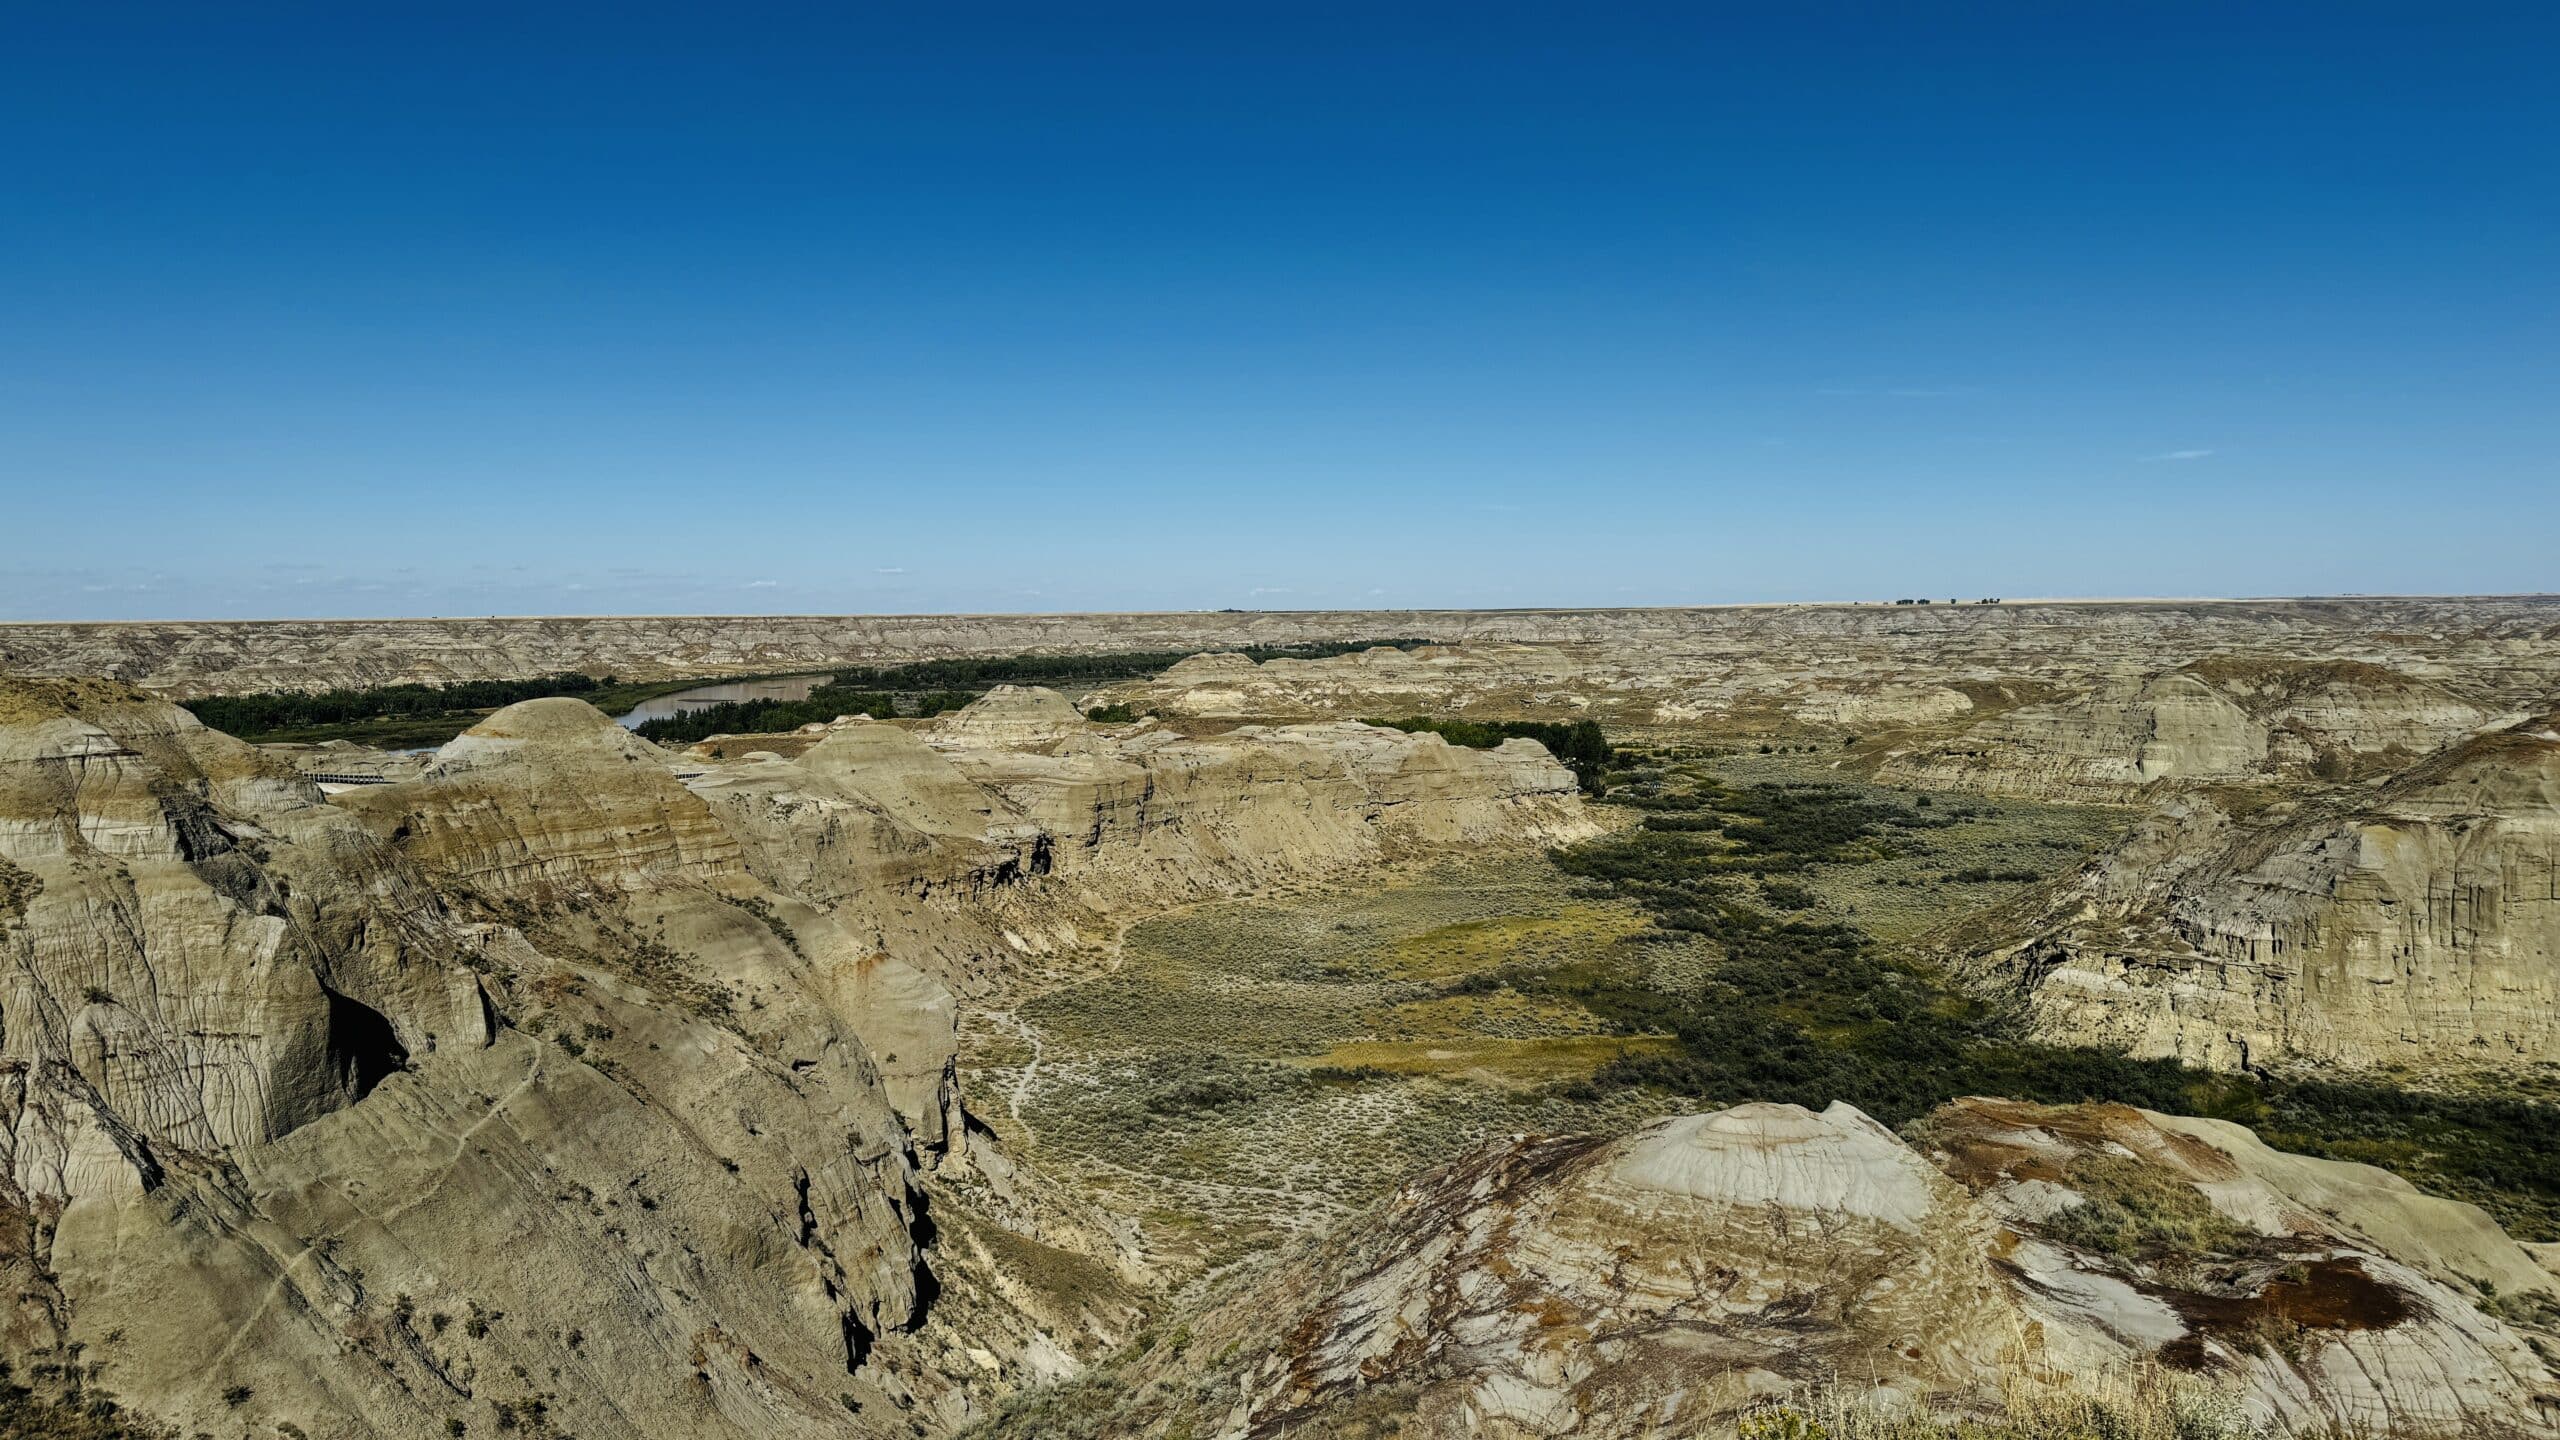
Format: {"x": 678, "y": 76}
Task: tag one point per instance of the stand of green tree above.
{"x": 985, "y": 674}
{"x": 1577, "y": 744}
{"x": 1811, "y": 1011}
{"x": 252, "y": 717}
{"x": 413, "y": 714}
{"x": 930, "y": 687}
{"x": 407, "y": 714}
{"x": 772, "y": 717}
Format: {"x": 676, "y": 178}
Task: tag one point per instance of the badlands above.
{"x": 2009, "y": 1019}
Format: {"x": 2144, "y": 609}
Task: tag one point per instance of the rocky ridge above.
{"x": 2105, "y": 728}
{"x": 1744, "y": 661}
{"x": 571, "y": 1084}
{"x": 1665, "y": 1281}
{"x": 2413, "y": 923}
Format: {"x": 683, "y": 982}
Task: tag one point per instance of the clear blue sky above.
{"x": 462, "y": 309}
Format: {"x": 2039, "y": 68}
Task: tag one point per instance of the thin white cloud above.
{"x": 762, "y": 584}
{"x": 1270, "y": 589}
{"x": 2176, "y": 455}
{"x": 890, "y": 570}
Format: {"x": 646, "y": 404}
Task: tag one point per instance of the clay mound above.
{"x": 560, "y": 728}
{"x": 1489, "y": 1284}
{"x": 1216, "y": 665}
{"x": 902, "y": 775}
{"x": 548, "y": 798}
{"x": 1664, "y": 1281}
{"x": 1010, "y": 717}
{"x": 2223, "y": 718}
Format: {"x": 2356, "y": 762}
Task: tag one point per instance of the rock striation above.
{"x": 314, "y": 1113}
{"x": 567, "y": 1085}
{"x": 2220, "y": 720}
{"x": 1664, "y": 1281}
{"x": 977, "y": 858}
{"x": 2089, "y": 704}
{"x": 1734, "y": 663}
{"x": 2416, "y": 923}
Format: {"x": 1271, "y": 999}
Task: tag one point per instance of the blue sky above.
{"x": 469, "y": 309}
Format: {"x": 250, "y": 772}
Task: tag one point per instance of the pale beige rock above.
{"x": 1008, "y": 717}
{"x": 570, "y": 1072}
{"x": 2219, "y": 719}
{"x": 2418, "y": 923}
{"x": 1660, "y": 1282}
{"x": 275, "y": 1116}
{"x": 1737, "y": 663}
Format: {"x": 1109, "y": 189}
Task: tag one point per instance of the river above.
{"x": 701, "y": 697}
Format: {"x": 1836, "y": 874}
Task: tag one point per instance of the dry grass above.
{"x": 1509, "y": 1062}
{"x": 1258, "y": 1068}
{"x": 1473, "y": 945}
{"x": 2148, "y": 1404}
{"x": 1493, "y": 1062}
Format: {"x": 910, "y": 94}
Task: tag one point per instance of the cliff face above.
{"x": 1661, "y": 1282}
{"x": 300, "y": 1122}
{"x": 979, "y": 859}
{"x": 2417, "y": 923}
{"x": 576, "y": 1082}
{"x": 2213, "y": 720}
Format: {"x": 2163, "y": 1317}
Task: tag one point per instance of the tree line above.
{"x": 251, "y": 717}
{"x": 930, "y": 687}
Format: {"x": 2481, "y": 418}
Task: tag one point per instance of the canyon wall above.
{"x": 571, "y": 1086}
{"x": 2413, "y": 923}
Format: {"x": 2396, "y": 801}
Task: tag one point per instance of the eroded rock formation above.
{"x": 1885, "y": 664}
{"x": 312, "y": 1113}
{"x": 2416, "y": 923}
{"x": 1664, "y": 1281}
{"x": 2215, "y": 720}
{"x": 578, "y": 1084}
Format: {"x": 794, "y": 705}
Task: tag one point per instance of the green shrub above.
{"x": 1812, "y": 1012}
{"x": 1578, "y": 745}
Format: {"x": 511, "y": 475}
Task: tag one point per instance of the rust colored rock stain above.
{"x": 2335, "y": 1296}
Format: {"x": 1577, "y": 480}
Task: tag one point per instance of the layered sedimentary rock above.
{"x": 300, "y": 1123}
{"x": 2215, "y": 720}
{"x": 1380, "y": 680}
{"x": 1661, "y": 1282}
{"x": 2103, "y": 704}
{"x": 2417, "y": 923}
{"x": 572, "y": 1084}
{"x": 1317, "y": 797}
{"x": 1738, "y": 661}
{"x": 937, "y": 842}
{"x": 1010, "y": 717}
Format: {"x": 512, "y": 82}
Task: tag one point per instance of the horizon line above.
{"x": 1894, "y": 604}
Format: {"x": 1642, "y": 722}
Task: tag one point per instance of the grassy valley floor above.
{"x": 1257, "y": 1068}
{"x": 1756, "y": 928}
